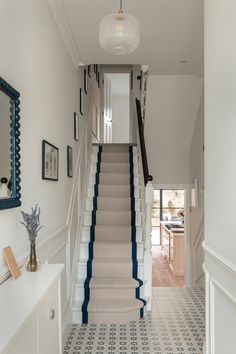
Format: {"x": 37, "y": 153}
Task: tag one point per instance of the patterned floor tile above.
{"x": 175, "y": 326}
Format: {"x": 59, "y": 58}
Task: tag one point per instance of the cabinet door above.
{"x": 49, "y": 324}
{"x": 26, "y": 341}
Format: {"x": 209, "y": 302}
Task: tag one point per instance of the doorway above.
{"x": 116, "y": 107}
{"x": 168, "y": 243}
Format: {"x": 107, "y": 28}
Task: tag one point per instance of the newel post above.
{"x": 148, "y": 242}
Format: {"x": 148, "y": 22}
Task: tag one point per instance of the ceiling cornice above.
{"x": 59, "y": 14}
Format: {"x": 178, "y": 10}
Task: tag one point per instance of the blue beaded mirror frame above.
{"x": 14, "y": 122}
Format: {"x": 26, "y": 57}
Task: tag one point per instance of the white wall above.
{"x": 197, "y": 214}
{"x": 34, "y": 61}
{"x": 134, "y": 93}
{"x": 120, "y": 118}
{"x": 220, "y": 174}
{"x": 172, "y": 107}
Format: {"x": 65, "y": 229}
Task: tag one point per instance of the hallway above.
{"x": 175, "y": 326}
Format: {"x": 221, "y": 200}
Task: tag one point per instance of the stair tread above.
{"x": 126, "y": 211}
{"x": 106, "y": 282}
{"x": 111, "y": 241}
{"x": 114, "y": 305}
{"x": 115, "y": 197}
{"x": 112, "y": 260}
{"x": 115, "y": 226}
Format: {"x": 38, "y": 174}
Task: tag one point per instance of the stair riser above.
{"x": 116, "y": 293}
{"x": 112, "y": 180}
{"x": 105, "y": 157}
{"x": 117, "y": 317}
{"x": 112, "y": 219}
{"x": 82, "y": 271}
{"x": 86, "y": 235}
{"x": 116, "y": 252}
{"x": 112, "y": 293}
{"x": 117, "y": 206}
{"x": 115, "y": 149}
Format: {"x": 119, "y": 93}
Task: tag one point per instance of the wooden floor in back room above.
{"x": 162, "y": 275}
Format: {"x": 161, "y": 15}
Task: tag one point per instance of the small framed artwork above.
{"x": 81, "y": 100}
{"x": 50, "y": 161}
{"x": 194, "y": 193}
{"x": 69, "y": 161}
{"x": 76, "y": 127}
{"x": 11, "y": 262}
{"x": 98, "y": 78}
{"x": 85, "y": 81}
{"x": 141, "y": 79}
{"x": 89, "y": 70}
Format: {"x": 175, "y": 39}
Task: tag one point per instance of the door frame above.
{"x": 110, "y": 69}
{"x": 188, "y": 273}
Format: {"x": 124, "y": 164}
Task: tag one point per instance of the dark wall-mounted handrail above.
{"x": 146, "y": 175}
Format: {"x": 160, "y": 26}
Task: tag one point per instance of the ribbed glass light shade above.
{"x": 119, "y": 33}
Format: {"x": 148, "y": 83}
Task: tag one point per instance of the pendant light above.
{"x": 119, "y": 33}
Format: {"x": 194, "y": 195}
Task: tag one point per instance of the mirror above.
{"x": 9, "y": 146}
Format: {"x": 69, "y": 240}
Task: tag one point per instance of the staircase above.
{"x": 109, "y": 288}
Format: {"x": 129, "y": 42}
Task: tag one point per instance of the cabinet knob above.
{"x": 52, "y": 314}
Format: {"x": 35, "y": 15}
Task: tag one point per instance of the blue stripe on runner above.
{"x": 133, "y": 234}
{"x": 84, "y": 307}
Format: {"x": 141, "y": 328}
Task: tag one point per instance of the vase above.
{"x": 32, "y": 264}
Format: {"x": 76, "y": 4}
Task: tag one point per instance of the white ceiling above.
{"x": 171, "y": 31}
{"x": 119, "y": 84}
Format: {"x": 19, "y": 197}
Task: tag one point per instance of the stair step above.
{"x": 114, "y": 283}
{"x": 113, "y": 249}
{"x": 115, "y": 232}
{"x": 113, "y": 203}
{"x": 111, "y": 305}
{"x": 114, "y": 191}
{"x": 108, "y": 288}
{"x": 77, "y": 314}
{"x": 112, "y": 217}
{"x": 115, "y": 148}
{"x": 114, "y": 157}
{"x": 122, "y": 268}
{"x": 113, "y": 167}
{"x": 113, "y": 179}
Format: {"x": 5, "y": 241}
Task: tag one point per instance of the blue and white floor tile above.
{"x": 175, "y": 326}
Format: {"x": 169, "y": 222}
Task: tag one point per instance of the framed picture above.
{"x": 85, "y": 81}
{"x": 141, "y": 79}
{"x": 81, "y": 100}
{"x": 194, "y": 193}
{"x": 89, "y": 70}
{"x": 98, "y": 78}
{"x": 69, "y": 161}
{"x": 50, "y": 161}
{"x": 76, "y": 127}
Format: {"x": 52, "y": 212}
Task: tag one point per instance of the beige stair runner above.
{"x": 112, "y": 287}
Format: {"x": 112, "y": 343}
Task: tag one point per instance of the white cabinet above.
{"x": 26, "y": 342}
{"x": 30, "y": 321}
{"x": 49, "y": 323}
